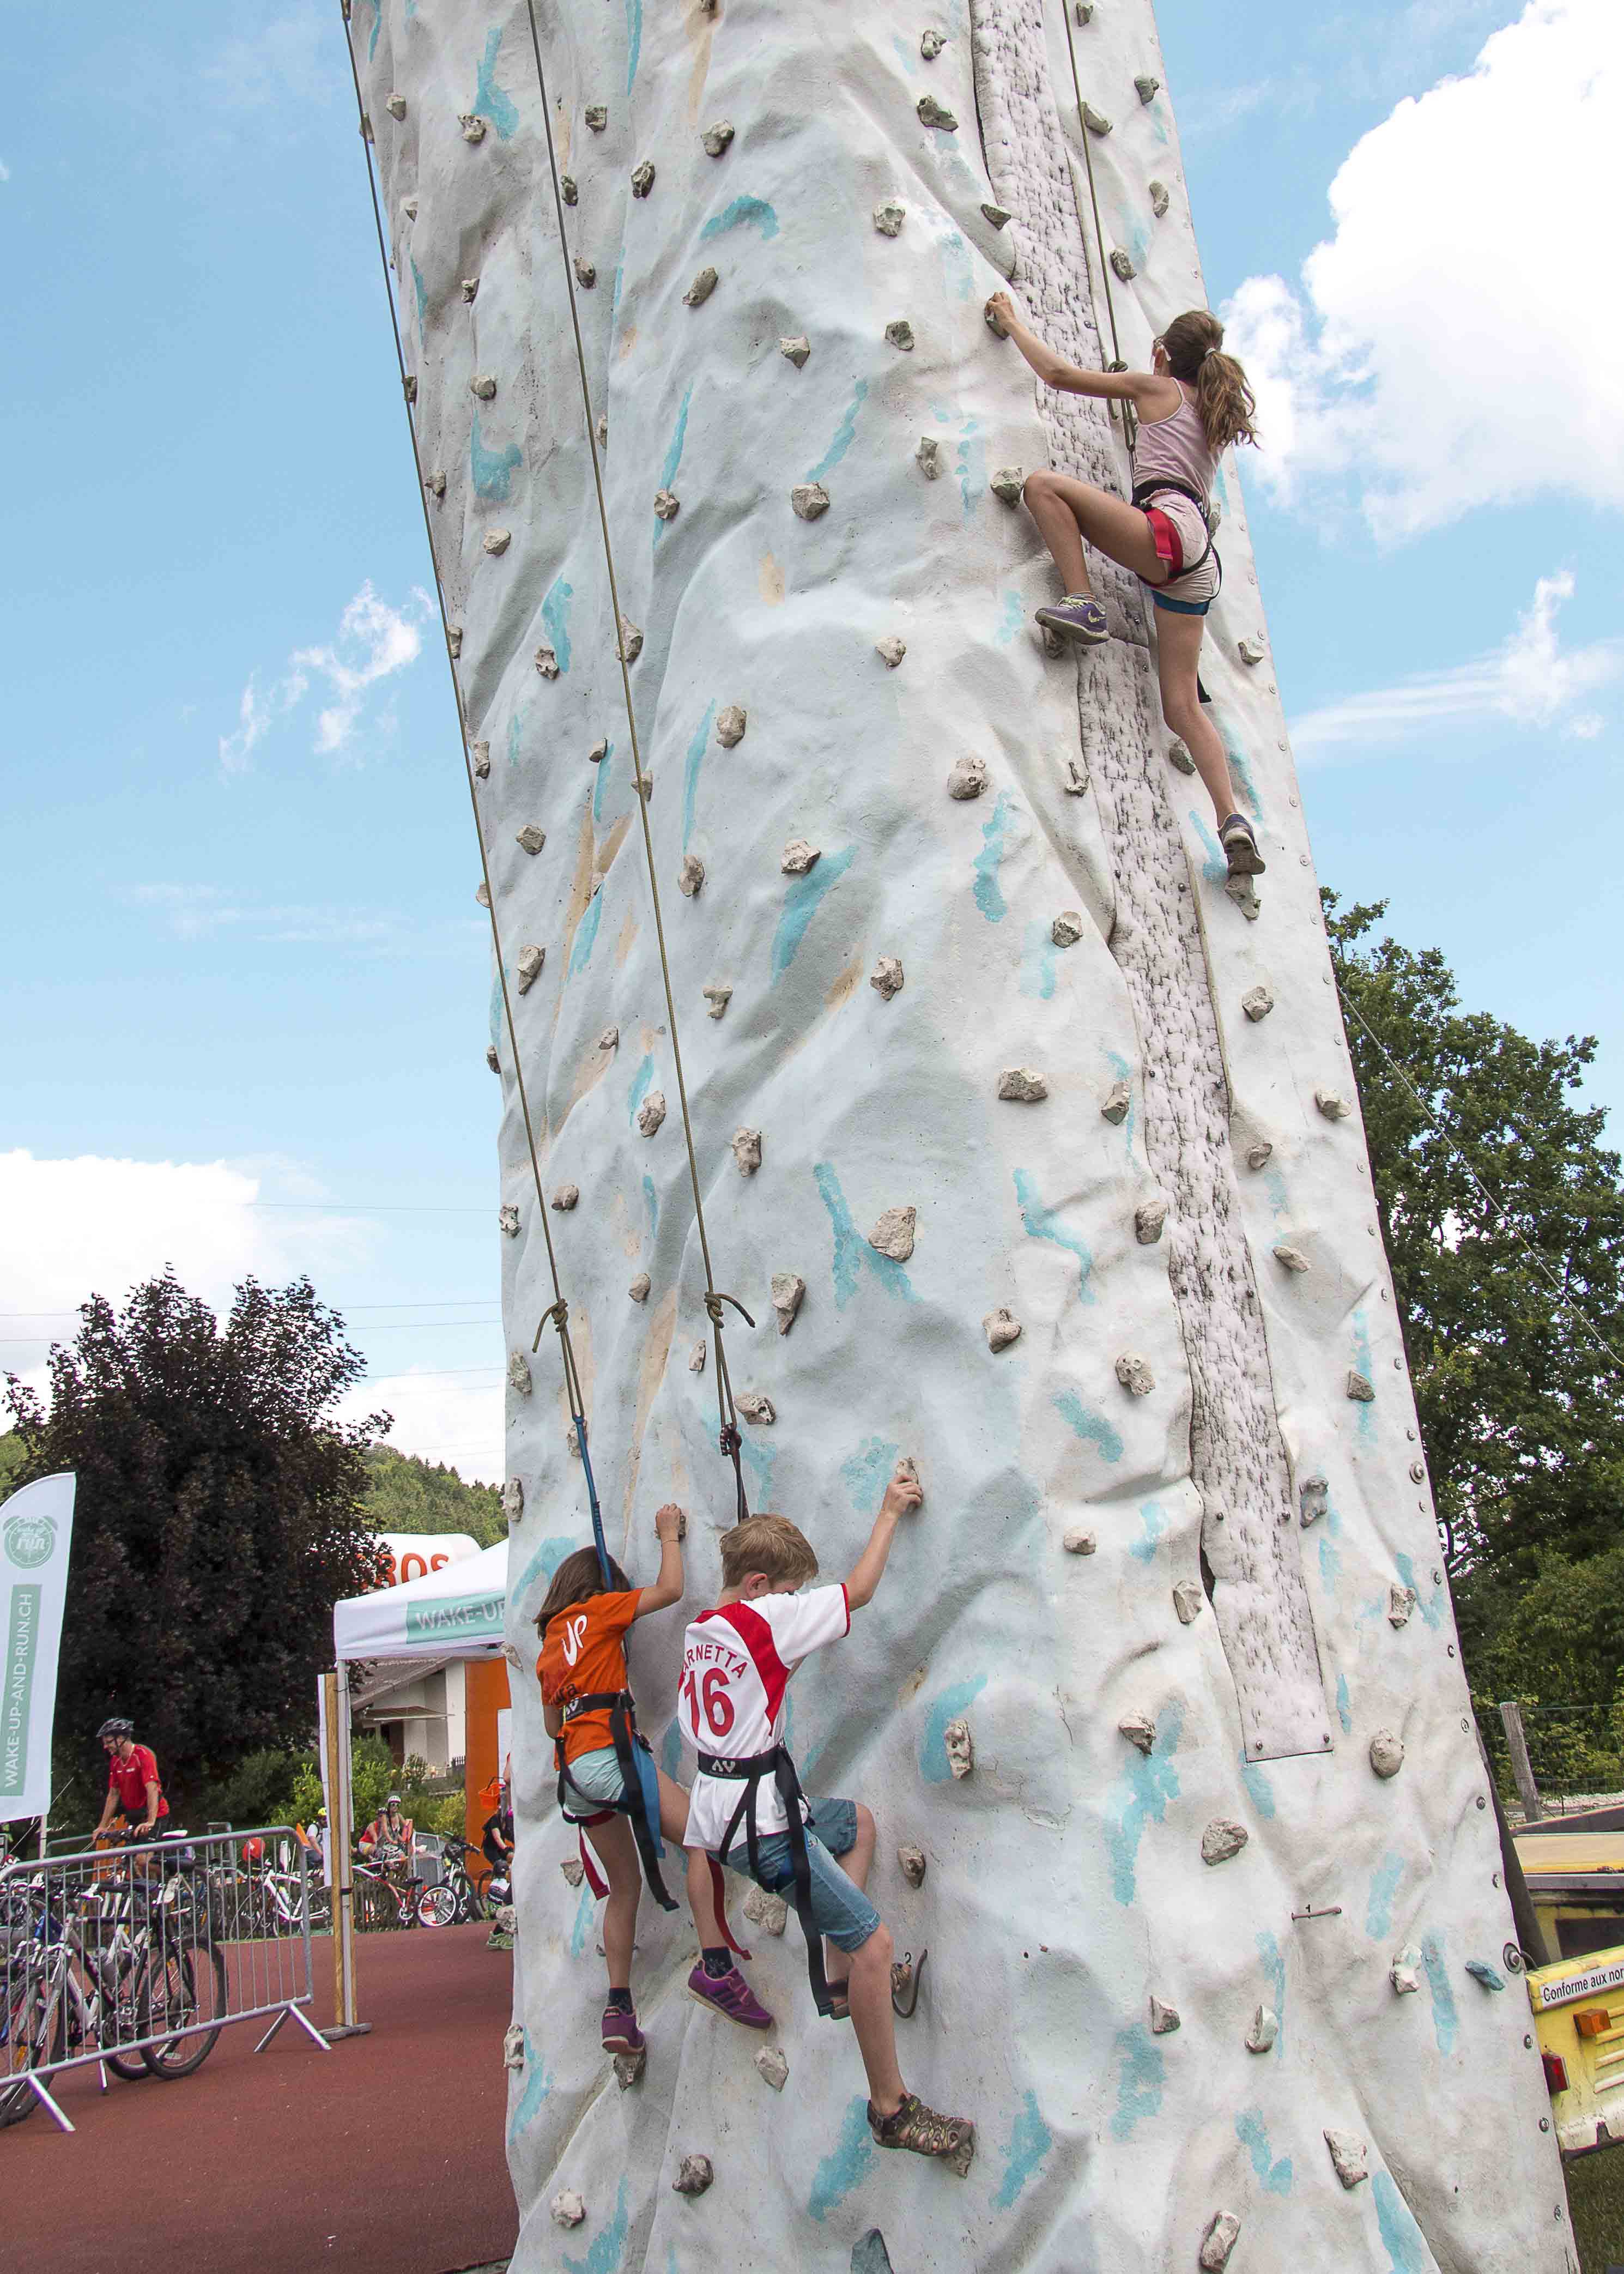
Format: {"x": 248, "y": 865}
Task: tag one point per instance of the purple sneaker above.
{"x": 1077, "y": 617}
{"x": 621, "y": 2034}
{"x": 730, "y": 1995}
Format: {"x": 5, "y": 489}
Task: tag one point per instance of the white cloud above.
{"x": 1529, "y": 679}
{"x": 208, "y": 912}
{"x": 373, "y": 642}
{"x": 441, "y": 1417}
{"x": 1456, "y": 343}
{"x": 5, "y": 171}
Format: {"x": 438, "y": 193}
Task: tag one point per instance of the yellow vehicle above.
{"x": 1574, "y": 1867}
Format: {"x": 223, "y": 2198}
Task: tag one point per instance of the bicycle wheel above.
{"x": 126, "y": 2018}
{"x": 436, "y": 1906}
{"x": 375, "y": 1907}
{"x": 22, "y": 2045}
{"x": 187, "y": 1987}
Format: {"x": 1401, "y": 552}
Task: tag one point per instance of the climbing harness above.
{"x": 752, "y": 1770}
{"x": 1143, "y": 492}
{"x": 634, "y": 1801}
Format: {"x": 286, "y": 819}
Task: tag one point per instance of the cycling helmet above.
{"x": 117, "y": 1726}
{"x": 393, "y": 1801}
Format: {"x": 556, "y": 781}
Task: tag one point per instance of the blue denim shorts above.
{"x": 840, "y": 1908}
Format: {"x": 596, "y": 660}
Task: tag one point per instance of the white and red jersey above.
{"x": 736, "y": 1666}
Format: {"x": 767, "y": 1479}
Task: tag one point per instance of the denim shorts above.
{"x": 840, "y": 1908}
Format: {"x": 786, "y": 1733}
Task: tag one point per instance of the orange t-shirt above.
{"x": 583, "y": 1650}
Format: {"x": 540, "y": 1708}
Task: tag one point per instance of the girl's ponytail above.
{"x": 1224, "y": 400}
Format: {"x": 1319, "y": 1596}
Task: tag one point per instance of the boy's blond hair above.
{"x": 770, "y": 1544}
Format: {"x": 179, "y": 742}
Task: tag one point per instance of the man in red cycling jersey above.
{"x": 133, "y": 1790}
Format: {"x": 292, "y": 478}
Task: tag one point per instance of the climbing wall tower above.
{"x": 1059, "y": 1135}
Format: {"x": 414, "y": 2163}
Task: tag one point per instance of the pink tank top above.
{"x": 1175, "y": 446}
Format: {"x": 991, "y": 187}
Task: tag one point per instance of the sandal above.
{"x": 920, "y": 2129}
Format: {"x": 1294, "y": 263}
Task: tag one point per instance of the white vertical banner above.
{"x": 36, "y": 1531}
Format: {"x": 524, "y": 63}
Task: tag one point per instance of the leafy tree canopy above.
{"x": 406, "y": 1495}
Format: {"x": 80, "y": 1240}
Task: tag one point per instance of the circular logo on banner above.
{"x": 29, "y": 1540}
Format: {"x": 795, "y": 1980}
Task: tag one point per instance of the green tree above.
{"x": 11, "y": 1462}
{"x": 220, "y": 1513}
{"x": 404, "y": 1494}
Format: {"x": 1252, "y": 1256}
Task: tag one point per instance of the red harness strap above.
{"x": 719, "y": 1885}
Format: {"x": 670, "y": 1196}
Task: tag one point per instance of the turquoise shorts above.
{"x": 840, "y": 1908}
{"x": 598, "y": 1776}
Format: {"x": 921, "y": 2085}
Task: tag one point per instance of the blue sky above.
{"x": 247, "y": 980}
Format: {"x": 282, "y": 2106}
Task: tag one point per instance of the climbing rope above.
{"x": 1116, "y": 363}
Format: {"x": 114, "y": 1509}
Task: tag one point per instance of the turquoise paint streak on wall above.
{"x": 372, "y": 41}
{"x": 989, "y": 897}
{"x": 672, "y": 460}
{"x": 1040, "y": 1222}
{"x": 1253, "y": 2133}
{"x": 801, "y": 903}
{"x": 760, "y": 1460}
{"x": 599, "y": 792}
{"x": 1138, "y": 1798}
{"x": 846, "y": 2166}
{"x": 743, "y": 213}
{"x": 851, "y": 1250}
{"x": 633, "y": 40}
{"x": 543, "y": 1564}
{"x": 1093, "y": 1428}
{"x": 555, "y": 615}
{"x": 496, "y": 1023}
{"x": 586, "y": 934}
{"x": 1009, "y": 622}
{"x": 1344, "y": 1705}
{"x": 972, "y": 467}
{"x": 608, "y": 2245}
{"x": 489, "y": 101}
{"x": 957, "y": 1698}
{"x": 537, "y": 2085}
{"x": 1037, "y": 963}
{"x": 1217, "y": 868}
{"x": 1139, "y": 2080}
{"x": 690, "y": 771}
{"x": 1156, "y": 1523}
{"x": 1429, "y": 1600}
{"x": 1330, "y": 1561}
{"x": 1446, "y": 2022}
{"x": 651, "y": 1200}
{"x": 515, "y": 725}
{"x": 845, "y": 434}
{"x": 1274, "y": 1974}
{"x": 1240, "y": 766}
{"x": 1258, "y": 1789}
{"x": 583, "y": 1920}
{"x": 639, "y": 1089}
{"x": 493, "y": 470}
{"x": 1383, "y": 1887}
{"x": 1029, "y": 2142}
{"x": 422, "y": 291}
{"x": 867, "y": 1472}
{"x": 1399, "y": 2235}
{"x": 957, "y": 277}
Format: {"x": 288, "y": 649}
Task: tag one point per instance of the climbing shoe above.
{"x": 915, "y": 2127}
{"x": 1240, "y": 847}
{"x": 1078, "y": 618}
{"x": 729, "y": 1995}
{"x": 621, "y": 2034}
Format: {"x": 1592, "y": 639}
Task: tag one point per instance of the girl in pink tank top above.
{"x": 1190, "y": 406}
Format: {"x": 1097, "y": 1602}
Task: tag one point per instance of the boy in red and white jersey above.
{"x": 747, "y": 1806}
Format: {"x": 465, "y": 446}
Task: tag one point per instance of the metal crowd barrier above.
{"x": 136, "y": 1956}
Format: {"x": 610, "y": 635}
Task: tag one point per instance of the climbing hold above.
{"x": 1001, "y": 1328}
{"x": 435, "y": 485}
{"x": 651, "y": 1113}
{"x": 567, "y": 2208}
{"x": 643, "y": 179}
{"x": 531, "y": 961}
{"x": 1118, "y": 1099}
{"x": 508, "y": 1217}
{"x": 1292, "y": 1258}
{"x": 696, "y": 2172}
{"x": 586, "y": 275}
{"x": 530, "y": 837}
{"x": 769, "y": 1912}
{"x": 1400, "y": 1603}
{"x": 573, "y": 1870}
{"x": 996, "y": 216}
{"x": 700, "y": 291}
{"x": 1180, "y": 757}
{"x": 1258, "y": 1154}
{"x": 1218, "y": 2242}
{"x": 1006, "y": 483}
{"x": 930, "y": 45}
{"x": 1021, "y": 1086}
{"x": 1080, "y": 1543}
{"x": 481, "y": 894}
{"x": 1163, "y": 2017}
{"x": 1093, "y": 121}
{"x": 665, "y": 505}
{"x": 496, "y": 541}
{"x": 366, "y": 127}
{"x": 889, "y": 217}
{"x": 914, "y": 1865}
{"x": 411, "y": 384}
{"x": 567, "y": 184}
{"x": 772, "y": 2065}
{"x": 1333, "y": 1107}
{"x": 513, "y": 1501}
{"x": 1122, "y": 265}
{"x": 799, "y": 856}
{"x": 756, "y": 1407}
{"x": 719, "y": 999}
{"x": 1482, "y": 1971}
{"x": 927, "y": 457}
{"x": 1264, "y": 2030}
{"x": 396, "y": 106}
{"x": 631, "y": 640}
{"x": 519, "y": 1373}
{"x": 1067, "y": 929}
{"x": 482, "y": 759}
{"x": 1251, "y": 651}
{"x": 1405, "y": 1972}
{"x": 1314, "y": 1498}
{"x": 886, "y": 977}
{"x": 1084, "y": 13}
{"x": 1222, "y": 1839}
{"x": 1187, "y": 1602}
{"x": 930, "y": 113}
{"x": 639, "y": 1289}
{"x": 410, "y": 209}
{"x": 483, "y": 385}
{"x": 968, "y": 778}
{"x": 1148, "y": 1219}
{"x": 730, "y": 725}
{"x": 565, "y": 1197}
{"x": 598, "y": 116}
{"x": 1257, "y": 1003}
{"x": 490, "y": 1059}
{"x": 789, "y": 1292}
{"x": 809, "y": 499}
{"x": 1359, "y": 1389}
{"x": 696, "y": 1358}
{"x": 1135, "y": 1376}
{"x": 598, "y": 752}
{"x": 796, "y": 350}
{"x": 1159, "y": 199}
{"x": 472, "y": 125}
{"x": 1145, "y": 86}
{"x": 899, "y": 334}
{"x": 1138, "y": 1730}
{"x": 1349, "y": 2156}
{"x": 960, "y": 1748}
{"x": 746, "y": 1144}
{"x": 890, "y": 650}
{"x": 692, "y": 876}
{"x": 716, "y": 139}
{"x": 513, "y": 2046}
{"x": 893, "y": 1234}
{"x": 1386, "y": 1753}
{"x": 471, "y": 288}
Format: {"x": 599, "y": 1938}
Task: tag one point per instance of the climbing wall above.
{"x": 1059, "y": 1137}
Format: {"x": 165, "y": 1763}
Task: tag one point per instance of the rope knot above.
{"x": 729, "y": 1439}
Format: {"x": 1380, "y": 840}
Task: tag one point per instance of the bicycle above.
{"x": 457, "y": 1899}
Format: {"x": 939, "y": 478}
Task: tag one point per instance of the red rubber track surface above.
{"x": 386, "y": 2154}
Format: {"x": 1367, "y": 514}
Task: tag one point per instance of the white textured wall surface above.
{"x": 1066, "y": 1884}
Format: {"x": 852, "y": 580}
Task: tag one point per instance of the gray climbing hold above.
{"x": 960, "y": 1748}
{"x": 730, "y": 725}
{"x": 643, "y": 179}
{"x": 411, "y": 384}
{"x": 789, "y": 1292}
{"x": 631, "y": 639}
{"x": 914, "y": 1865}
{"x": 1333, "y": 1107}
{"x": 483, "y": 385}
{"x": 1359, "y": 1387}
{"x": 770, "y": 1913}
{"x": 1187, "y": 1602}
{"x": 598, "y": 752}
{"x": 1078, "y": 1542}
{"x": 1251, "y": 651}
{"x": 1292, "y": 1258}
{"x": 1264, "y": 2030}
{"x": 1163, "y": 2017}
{"x": 565, "y": 1197}
{"x": 1222, "y": 1839}
{"x": 968, "y": 778}
{"x": 490, "y": 1059}
{"x": 927, "y": 457}
{"x": 546, "y": 663}
{"x": 1093, "y": 121}
{"x": 472, "y": 125}
{"x": 366, "y": 127}
{"x": 716, "y": 139}
{"x": 1350, "y": 2157}
{"x": 1244, "y": 893}
{"x": 930, "y": 113}
{"x": 482, "y": 759}
{"x": 1135, "y": 1376}
{"x": 513, "y": 1501}
{"x": 573, "y": 1870}
{"x": 889, "y": 217}
{"x": 1148, "y": 1219}
{"x": 796, "y": 350}
{"x": 1007, "y": 484}
{"x": 886, "y": 977}
{"x": 1054, "y": 645}
{"x": 696, "y": 1358}
{"x": 651, "y": 1113}
{"x": 1482, "y": 1971}
{"x": 1314, "y": 1496}
{"x": 1118, "y": 1099}
{"x": 531, "y": 961}
{"x": 1067, "y": 929}
{"x": 483, "y": 895}
{"x": 639, "y": 1289}
{"x": 746, "y": 1144}
{"x": 410, "y": 209}
{"x": 508, "y": 1217}
{"x": 598, "y": 116}
{"x": 395, "y": 105}
{"x": 930, "y": 45}
{"x": 1138, "y": 1730}
{"x": 771, "y": 2065}
{"x": 695, "y": 2172}
{"x": 1258, "y": 1155}
{"x": 799, "y": 856}
{"x": 1076, "y": 782}
{"x": 435, "y": 484}
{"x": 496, "y": 541}
{"x": 1400, "y": 1603}
{"x": 1180, "y": 757}
{"x": 519, "y": 1373}
{"x": 1022, "y": 1086}
{"x": 700, "y": 291}
{"x": 757, "y": 1408}
{"x": 609, "y": 1039}
{"x": 667, "y": 506}
{"x": 513, "y": 2046}
{"x": 996, "y": 216}
{"x": 893, "y": 1234}
{"x": 1257, "y": 1003}
{"x": 899, "y": 334}
{"x": 1145, "y": 86}
{"x": 1001, "y": 1328}
{"x": 719, "y": 999}
{"x": 691, "y": 878}
{"x": 567, "y": 184}
{"x": 1386, "y": 1753}
{"x": 530, "y": 837}
{"x": 1160, "y": 200}
{"x": 890, "y": 650}
{"x": 1122, "y": 264}
{"x": 809, "y": 499}
{"x": 566, "y": 2208}
{"x": 471, "y": 288}
{"x": 1405, "y": 1972}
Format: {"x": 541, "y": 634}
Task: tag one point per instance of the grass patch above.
{"x": 1596, "y": 2199}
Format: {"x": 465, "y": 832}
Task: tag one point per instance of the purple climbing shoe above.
{"x": 621, "y": 2034}
{"x": 730, "y": 1995}
{"x": 1078, "y": 618}
{"x": 1240, "y": 847}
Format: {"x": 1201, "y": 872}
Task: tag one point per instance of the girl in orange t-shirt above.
{"x": 583, "y": 1627}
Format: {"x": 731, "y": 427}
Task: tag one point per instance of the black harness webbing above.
{"x": 622, "y": 1714}
{"x": 751, "y": 1770}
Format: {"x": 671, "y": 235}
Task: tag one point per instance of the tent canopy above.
{"x": 455, "y": 1612}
